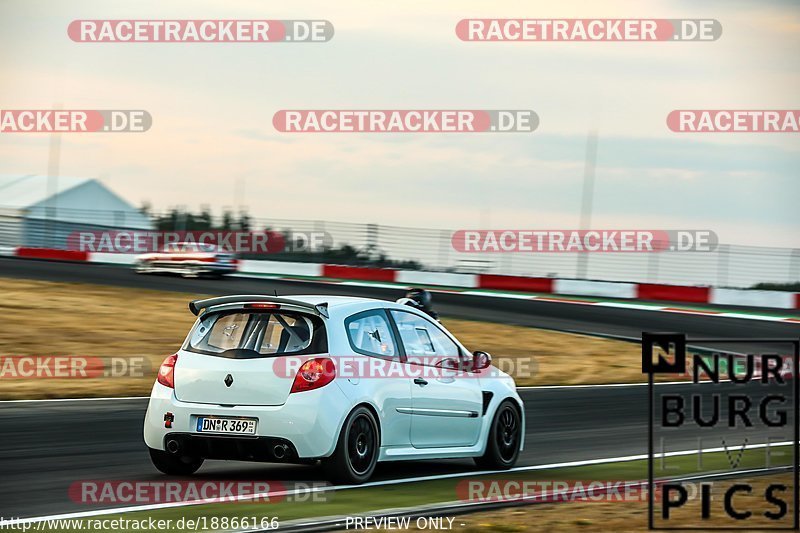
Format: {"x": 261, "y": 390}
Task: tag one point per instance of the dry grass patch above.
{"x": 557, "y": 358}
{"x": 48, "y": 318}
{"x": 89, "y": 320}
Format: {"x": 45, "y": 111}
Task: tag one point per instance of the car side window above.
{"x": 423, "y": 340}
{"x": 369, "y": 333}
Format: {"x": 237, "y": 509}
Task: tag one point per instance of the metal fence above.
{"x": 431, "y": 249}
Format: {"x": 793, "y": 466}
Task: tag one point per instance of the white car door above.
{"x": 446, "y": 404}
{"x": 376, "y": 372}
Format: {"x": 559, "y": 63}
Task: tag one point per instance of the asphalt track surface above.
{"x": 46, "y": 447}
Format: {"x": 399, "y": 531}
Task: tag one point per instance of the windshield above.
{"x": 253, "y": 334}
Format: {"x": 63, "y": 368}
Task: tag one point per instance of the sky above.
{"x": 212, "y": 141}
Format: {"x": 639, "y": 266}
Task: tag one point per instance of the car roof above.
{"x": 346, "y": 304}
{"x": 333, "y": 301}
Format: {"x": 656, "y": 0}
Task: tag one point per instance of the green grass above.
{"x": 361, "y": 500}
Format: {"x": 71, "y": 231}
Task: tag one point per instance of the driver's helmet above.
{"x": 421, "y": 297}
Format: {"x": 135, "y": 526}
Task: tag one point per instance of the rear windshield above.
{"x": 256, "y": 334}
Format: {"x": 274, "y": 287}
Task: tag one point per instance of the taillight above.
{"x": 314, "y": 373}
{"x": 166, "y": 374}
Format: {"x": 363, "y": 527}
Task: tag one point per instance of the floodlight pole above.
{"x": 53, "y": 166}
{"x": 588, "y": 198}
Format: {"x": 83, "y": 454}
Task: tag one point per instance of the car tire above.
{"x": 503, "y": 440}
{"x": 175, "y": 465}
{"x": 356, "y": 454}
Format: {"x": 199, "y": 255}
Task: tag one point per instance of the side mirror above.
{"x": 481, "y": 360}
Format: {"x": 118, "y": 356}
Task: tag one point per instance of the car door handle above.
{"x": 420, "y": 381}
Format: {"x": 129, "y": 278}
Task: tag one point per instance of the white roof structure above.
{"x": 76, "y": 200}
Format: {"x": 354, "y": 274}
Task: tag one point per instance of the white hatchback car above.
{"x": 348, "y": 381}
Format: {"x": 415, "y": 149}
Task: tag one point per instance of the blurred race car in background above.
{"x": 189, "y": 259}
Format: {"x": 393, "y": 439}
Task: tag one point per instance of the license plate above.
{"x": 228, "y": 426}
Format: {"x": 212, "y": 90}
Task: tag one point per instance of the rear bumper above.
{"x": 266, "y": 449}
{"x": 308, "y": 422}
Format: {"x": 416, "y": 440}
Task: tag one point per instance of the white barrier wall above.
{"x": 282, "y": 268}
{"x": 114, "y": 259}
{"x": 606, "y": 289}
{"x": 445, "y": 279}
{"x": 751, "y": 298}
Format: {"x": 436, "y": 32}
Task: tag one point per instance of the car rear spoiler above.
{"x": 198, "y": 306}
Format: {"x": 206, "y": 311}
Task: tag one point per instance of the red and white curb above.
{"x": 486, "y": 285}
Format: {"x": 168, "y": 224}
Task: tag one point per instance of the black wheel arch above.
{"x": 371, "y": 408}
